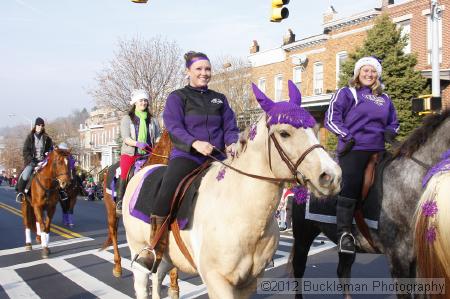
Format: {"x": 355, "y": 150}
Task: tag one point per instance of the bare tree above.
{"x": 154, "y": 65}
{"x": 11, "y": 155}
{"x": 232, "y": 78}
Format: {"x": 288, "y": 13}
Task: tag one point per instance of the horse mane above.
{"x": 421, "y": 135}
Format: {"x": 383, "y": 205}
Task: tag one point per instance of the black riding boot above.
{"x": 120, "y": 193}
{"x": 20, "y": 188}
{"x": 344, "y": 217}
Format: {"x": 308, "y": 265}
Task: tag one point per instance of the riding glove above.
{"x": 347, "y": 147}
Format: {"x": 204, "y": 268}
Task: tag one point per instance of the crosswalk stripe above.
{"x": 68, "y": 234}
{"x": 126, "y": 264}
{"x": 51, "y": 245}
{"x": 14, "y": 285}
{"x": 84, "y": 280}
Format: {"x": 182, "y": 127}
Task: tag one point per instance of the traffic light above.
{"x": 278, "y": 11}
{"x": 139, "y": 1}
{"x": 426, "y": 104}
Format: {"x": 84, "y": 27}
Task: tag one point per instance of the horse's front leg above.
{"x": 45, "y": 234}
{"x": 38, "y": 212}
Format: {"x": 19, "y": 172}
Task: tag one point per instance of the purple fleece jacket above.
{"x": 365, "y": 119}
{"x": 203, "y": 115}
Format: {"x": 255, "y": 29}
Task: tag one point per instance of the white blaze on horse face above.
{"x": 66, "y": 161}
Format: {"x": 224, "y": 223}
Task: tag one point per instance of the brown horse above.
{"x": 44, "y": 196}
{"x": 160, "y": 155}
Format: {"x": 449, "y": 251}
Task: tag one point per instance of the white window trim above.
{"x": 278, "y": 76}
{"x": 294, "y": 69}
{"x": 259, "y": 84}
{"x": 314, "y": 77}
{"x": 338, "y": 65}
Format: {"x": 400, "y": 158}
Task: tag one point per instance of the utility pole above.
{"x": 435, "y": 67}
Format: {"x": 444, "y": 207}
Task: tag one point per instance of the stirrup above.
{"x": 140, "y": 260}
{"x": 346, "y": 251}
{"x": 63, "y": 196}
{"x": 19, "y": 197}
{"x": 119, "y": 208}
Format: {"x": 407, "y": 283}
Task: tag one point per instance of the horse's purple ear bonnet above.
{"x": 290, "y": 112}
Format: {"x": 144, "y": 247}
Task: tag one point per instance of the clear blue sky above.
{"x": 50, "y": 50}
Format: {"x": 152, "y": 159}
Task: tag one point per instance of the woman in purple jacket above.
{"x": 363, "y": 118}
{"x": 198, "y": 120}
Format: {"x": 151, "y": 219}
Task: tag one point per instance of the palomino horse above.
{"x": 232, "y": 234}
{"x": 45, "y": 185}
{"x": 159, "y": 155}
{"x": 432, "y": 227}
{"x": 402, "y": 187}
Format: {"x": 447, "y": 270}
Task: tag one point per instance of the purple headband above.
{"x": 195, "y": 59}
{"x": 290, "y": 112}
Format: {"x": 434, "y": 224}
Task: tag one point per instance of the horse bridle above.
{"x": 292, "y": 167}
{"x": 55, "y": 179}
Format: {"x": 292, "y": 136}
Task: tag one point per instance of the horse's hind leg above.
{"x": 158, "y": 277}
{"x": 27, "y": 222}
{"x": 113, "y": 224}
{"x": 174, "y": 289}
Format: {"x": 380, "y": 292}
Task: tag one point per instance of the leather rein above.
{"x": 49, "y": 190}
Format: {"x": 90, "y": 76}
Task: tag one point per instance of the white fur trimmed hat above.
{"x": 138, "y": 94}
{"x": 369, "y": 60}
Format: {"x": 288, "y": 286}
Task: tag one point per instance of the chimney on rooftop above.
{"x": 255, "y": 47}
{"x": 329, "y": 15}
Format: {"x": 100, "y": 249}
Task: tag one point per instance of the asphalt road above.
{"x": 76, "y": 269}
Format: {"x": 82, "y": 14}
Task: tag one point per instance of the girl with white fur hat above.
{"x": 363, "y": 118}
{"x": 139, "y": 131}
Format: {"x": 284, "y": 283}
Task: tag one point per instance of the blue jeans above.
{"x": 26, "y": 173}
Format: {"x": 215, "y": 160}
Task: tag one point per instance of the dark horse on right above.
{"x": 402, "y": 188}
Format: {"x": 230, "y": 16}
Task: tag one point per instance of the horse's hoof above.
{"x": 28, "y": 247}
{"x": 45, "y": 252}
{"x": 117, "y": 274}
{"x": 38, "y": 239}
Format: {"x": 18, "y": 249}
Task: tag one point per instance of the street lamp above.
{"x": 24, "y": 117}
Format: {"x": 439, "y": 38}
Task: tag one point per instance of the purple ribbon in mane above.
{"x": 442, "y": 166}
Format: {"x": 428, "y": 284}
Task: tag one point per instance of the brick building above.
{"x": 98, "y": 140}
{"x": 313, "y": 62}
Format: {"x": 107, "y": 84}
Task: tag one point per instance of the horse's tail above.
{"x": 432, "y": 232}
{"x": 112, "y": 217}
{"x": 29, "y": 214}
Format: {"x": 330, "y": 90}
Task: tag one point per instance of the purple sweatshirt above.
{"x": 194, "y": 114}
{"x": 365, "y": 119}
